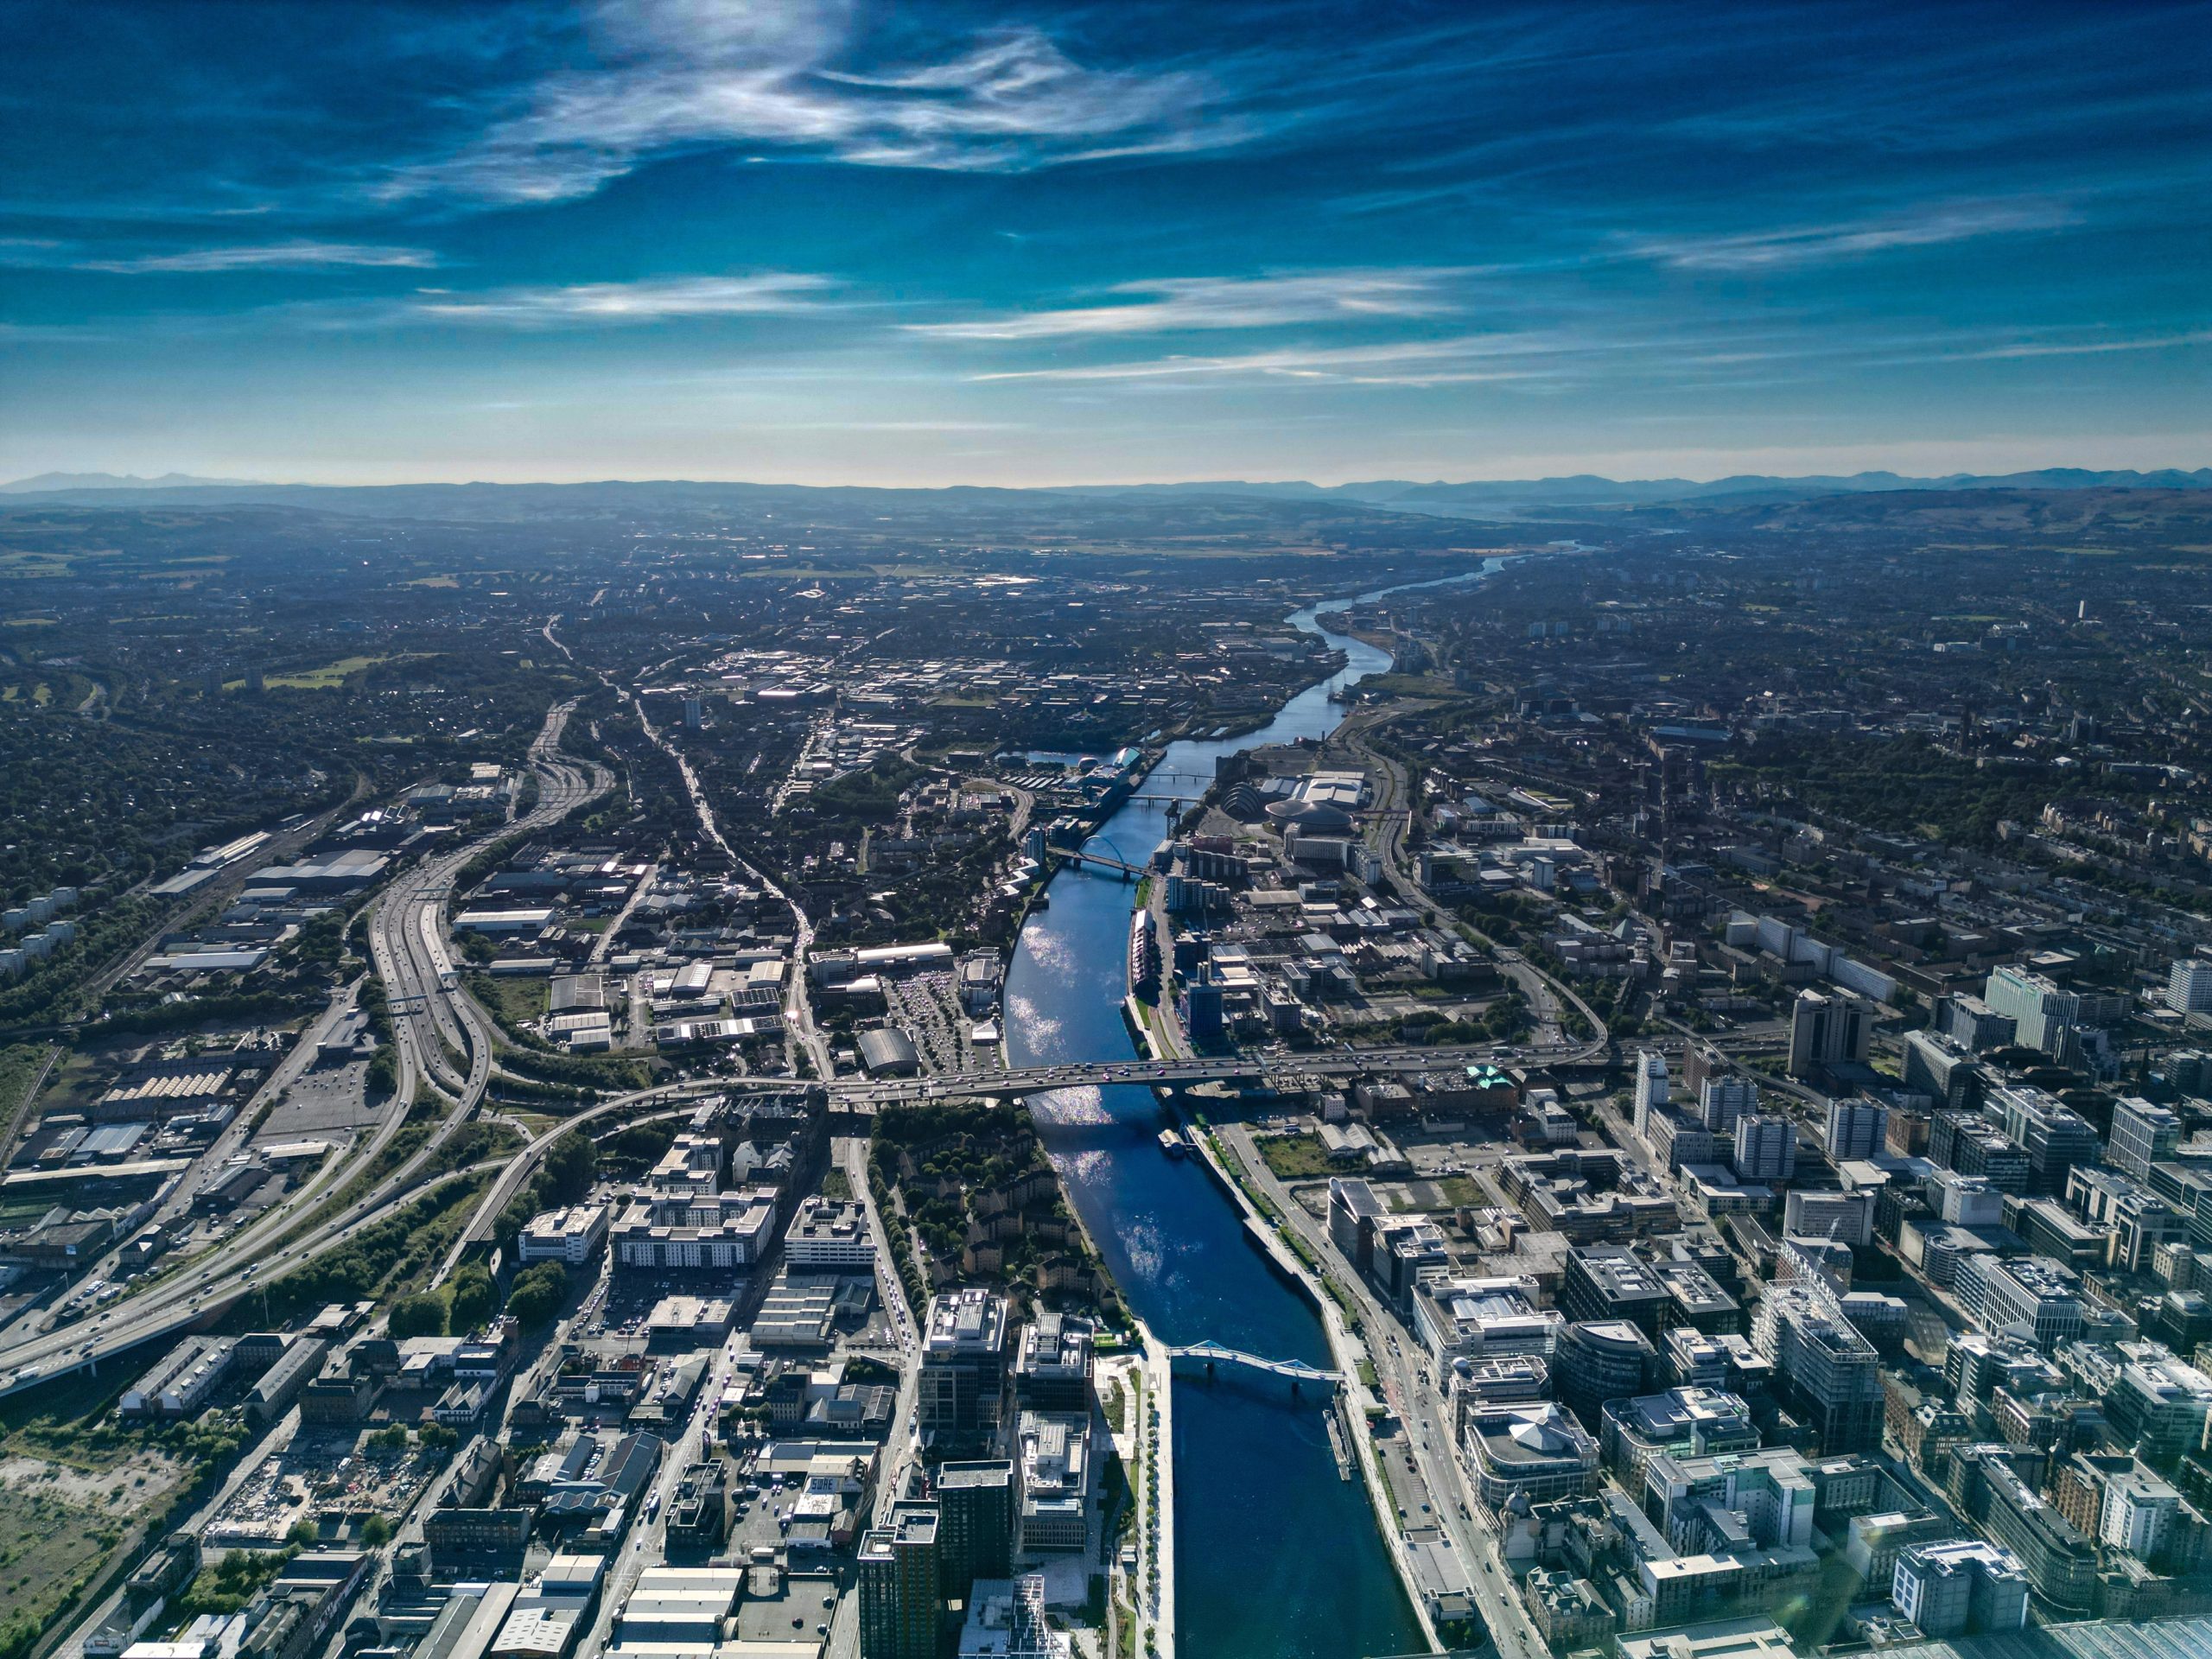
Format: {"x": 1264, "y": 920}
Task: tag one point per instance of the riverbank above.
{"x": 1159, "y": 1486}
{"x": 1257, "y": 1493}
{"x": 1347, "y": 1350}
{"x": 1135, "y": 1387}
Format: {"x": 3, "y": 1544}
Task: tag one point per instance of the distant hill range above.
{"x": 1583, "y": 497}
{"x": 58, "y": 483}
{"x": 1484, "y": 498}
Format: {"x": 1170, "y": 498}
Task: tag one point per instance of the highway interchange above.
{"x": 290, "y": 1233}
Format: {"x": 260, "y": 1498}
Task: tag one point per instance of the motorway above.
{"x": 401, "y": 953}
{"x": 521, "y": 1168}
{"x": 230, "y": 1143}
{"x": 397, "y": 939}
{"x": 851, "y": 1156}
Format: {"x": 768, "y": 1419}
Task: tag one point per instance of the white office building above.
{"x": 2028, "y": 1291}
{"x": 1961, "y": 1587}
{"x": 2189, "y": 986}
{"x": 571, "y": 1236}
{"x": 829, "y": 1234}
{"x": 2140, "y": 1511}
{"x": 1846, "y": 1217}
{"x": 1651, "y": 1086}
{"x": 2043, "y": 1016}
{"x": 2142, "y": 1134}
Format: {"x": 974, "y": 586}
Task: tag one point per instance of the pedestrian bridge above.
{"x": 1102, "y": 860}
{"x": 1211, "y": 1354}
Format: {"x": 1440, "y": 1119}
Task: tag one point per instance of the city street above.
{"x": 1398, "y": 1363}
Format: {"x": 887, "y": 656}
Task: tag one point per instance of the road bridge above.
{"x": 1017, "y": 1082}
{"x": 1211, "y": 1354}
{"x": 203, "y": 1286}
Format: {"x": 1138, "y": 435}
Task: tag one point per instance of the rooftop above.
{"x": 970, "y": 1320}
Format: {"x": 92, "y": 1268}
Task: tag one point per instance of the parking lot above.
{"x": 928, "y": 1008}
{"x": 321, "y": 1099}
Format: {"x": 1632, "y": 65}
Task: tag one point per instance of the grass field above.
{"x": 46, "y": 1545}
{"x": 328, "y": 678}
{"x": 19, "y": 1067}
{"x": 1295, "y": 1157}
{"x": 74, "y": 1485}
{"x": 512, "y": 1001}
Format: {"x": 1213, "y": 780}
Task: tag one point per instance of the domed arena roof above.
{"x": 1312, "y": 817}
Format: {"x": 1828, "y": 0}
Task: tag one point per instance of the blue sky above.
{"x": 814, "y": 241}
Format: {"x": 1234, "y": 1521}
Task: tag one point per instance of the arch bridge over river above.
{"x": 1211, "y": 1354}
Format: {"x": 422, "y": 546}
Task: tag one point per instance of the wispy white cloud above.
{"x": 275, "y": 256}
{"x": 1817, "y": 244}
{"x": 2086, "y": 347}
{"x": 679, "y": 74}
{"x": 653, "y": 300}
{"x": 1222, "y": 303}
{"x": 1463, "y": 360}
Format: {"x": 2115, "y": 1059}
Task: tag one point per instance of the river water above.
{"x": 1276, "y": 1556}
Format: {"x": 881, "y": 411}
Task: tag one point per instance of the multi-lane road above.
{"x": 427, "y": 1014}
{"x": 1328, "y": 1063}
{"x": 443, "y": 1048}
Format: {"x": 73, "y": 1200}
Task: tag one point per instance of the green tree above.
{"x": 418, "y": 1316}
{"x": 537, "y": 1295}
{"x": 303, "y": 1535}
{"x": 376, "y": 1532}
{"x": 474, "y": 1300}
{"x": 571, "y": 1165}
{"x": 384, "y": 1071}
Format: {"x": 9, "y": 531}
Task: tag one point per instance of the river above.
{"x": 1276, "y": 1556}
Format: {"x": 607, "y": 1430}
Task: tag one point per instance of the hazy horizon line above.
{"x": 202, "y": 481}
